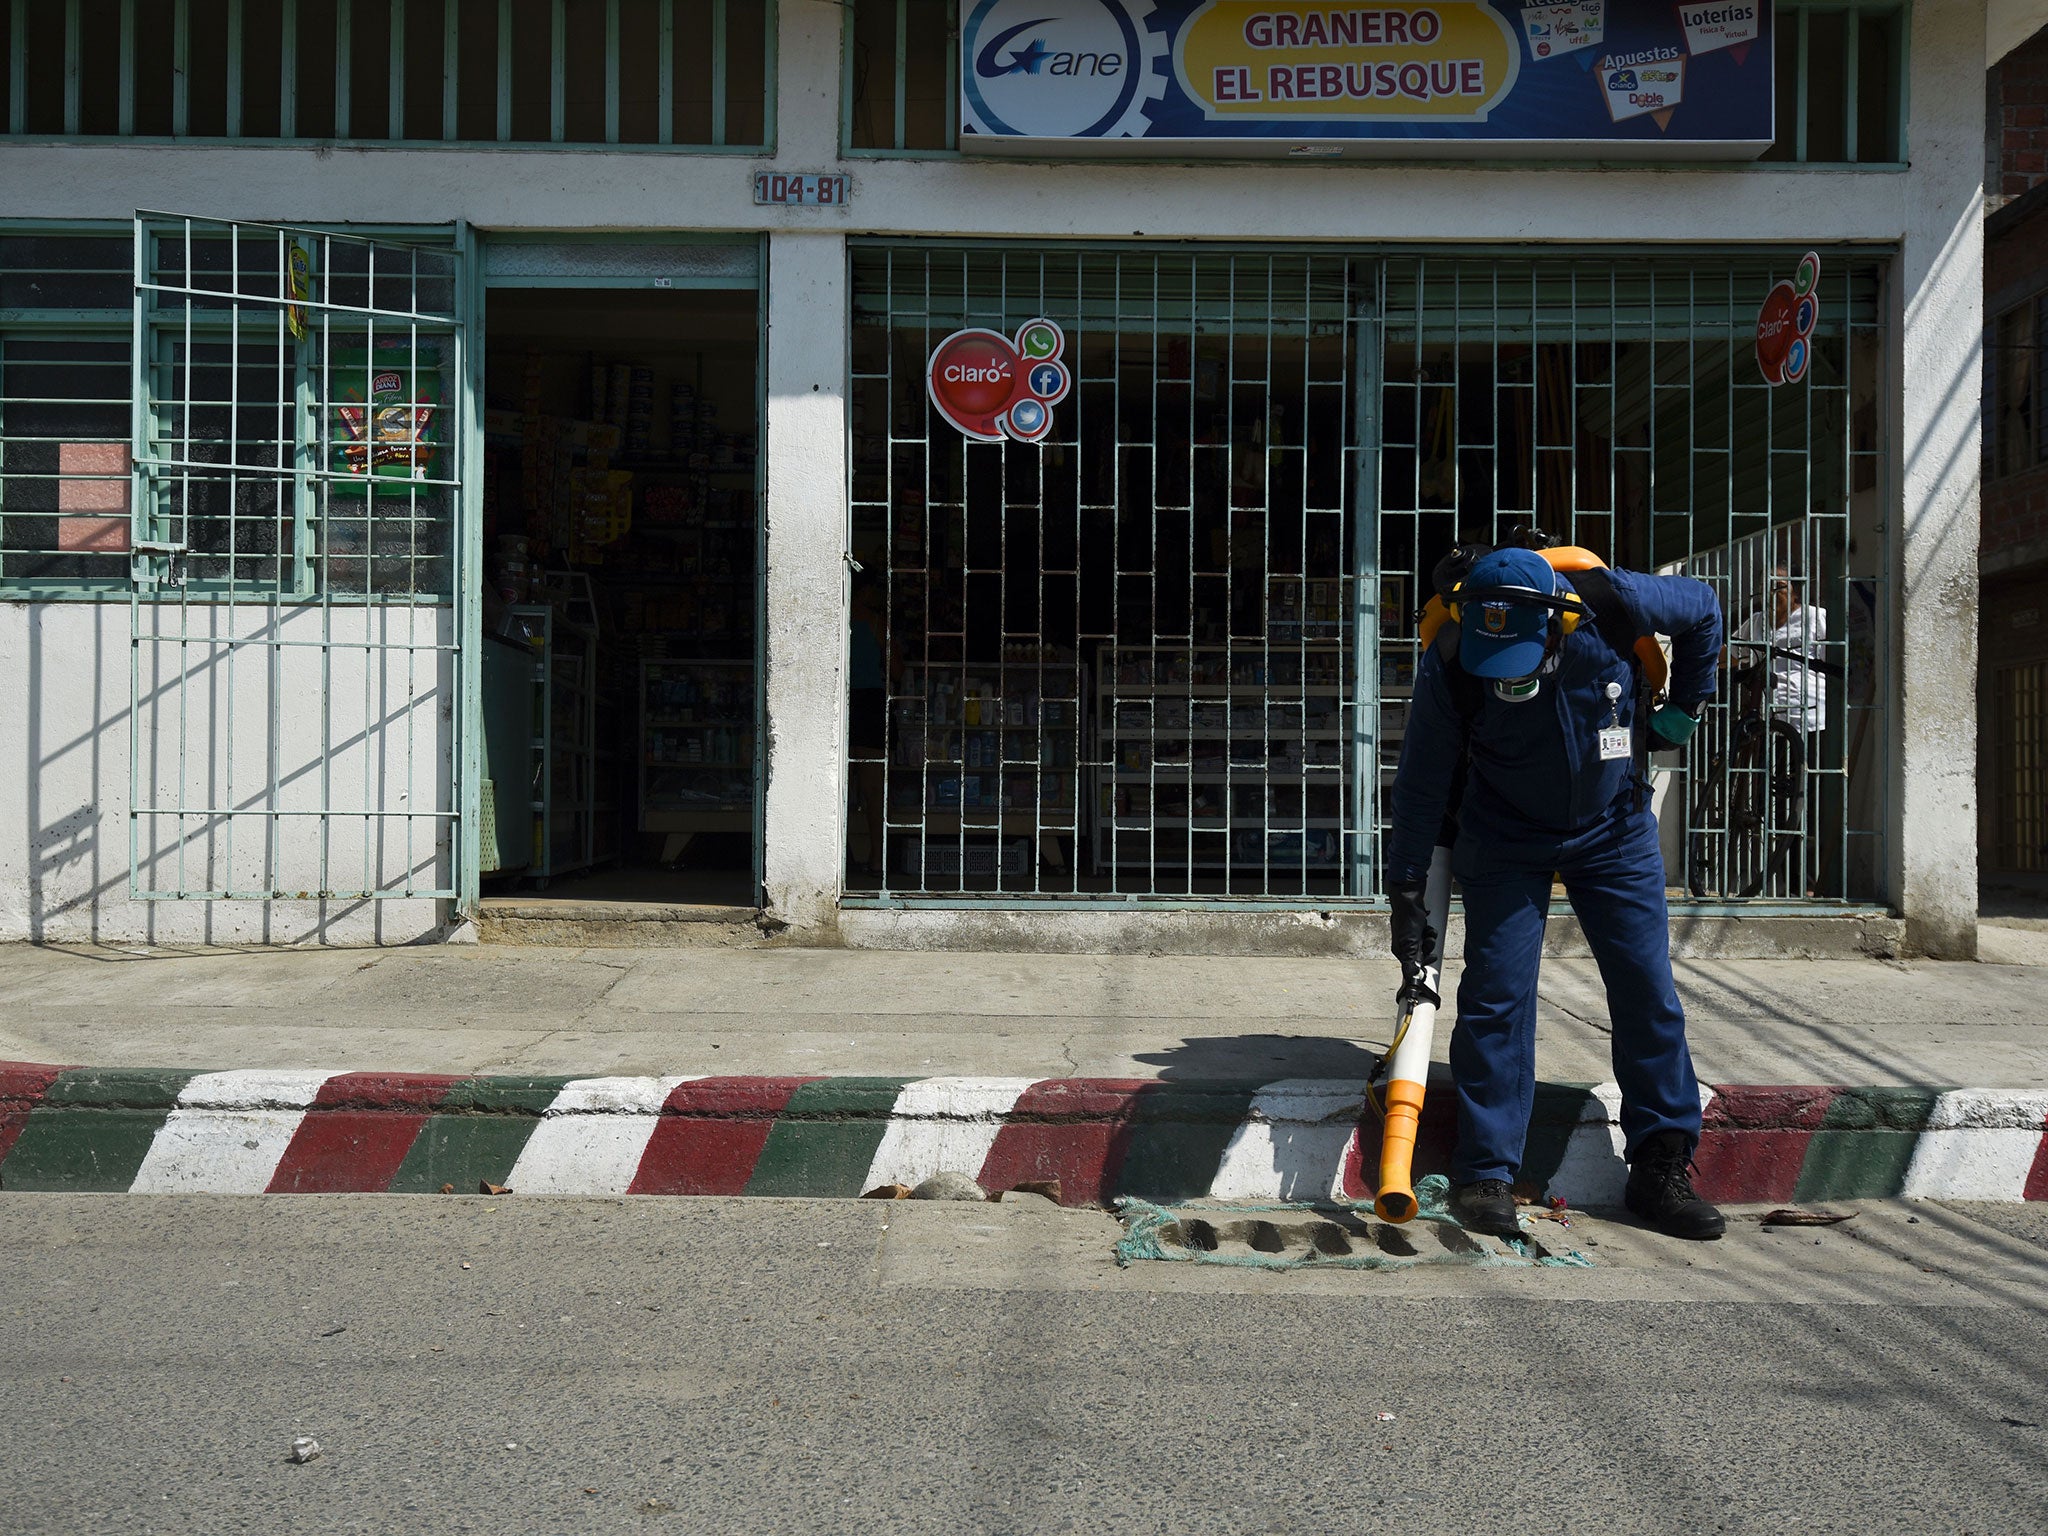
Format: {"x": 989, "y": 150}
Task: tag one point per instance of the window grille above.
{"x": 902, "y": 76}
{"x": 2015, "y": 435}
{"x": 2019, "y": 790}
{"x": 258, "y": 423}
{"x": 1618, "y": 405}
{"x": 1841, "y": 80}
{"x": 695, "y": 73}
{"x": 1167, "y": 653}
{"x": 65, "y": 304}
{"x": 300, "y": 450}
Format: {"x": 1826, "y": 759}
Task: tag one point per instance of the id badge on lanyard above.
{"x": 1614, "y": 742}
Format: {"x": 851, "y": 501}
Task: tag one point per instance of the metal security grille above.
{"x": 1167, "y": 652}
{"x": 902, "y": 88}
{"x": 1119, "y": 663}
{"x": 619, "y": 72}
{"x": 293, "y": 643}
{"x": 2019, "y": 796}
{"x": 66, "y": 297}
{"x": 1617, "y": 404}
{"x": 1841, "y": 82}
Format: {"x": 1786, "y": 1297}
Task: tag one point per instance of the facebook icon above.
{"x": 1047, "y": 380}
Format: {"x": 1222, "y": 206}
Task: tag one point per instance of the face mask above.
{"x": 1520, "y": 690}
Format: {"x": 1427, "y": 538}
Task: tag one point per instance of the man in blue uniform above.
{"x": 1530, "y": 700}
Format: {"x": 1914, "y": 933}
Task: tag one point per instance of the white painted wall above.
{"x": 1931, "y": 210}
{"x": 382, "y": 743}
{"x": 1934, "y": 590}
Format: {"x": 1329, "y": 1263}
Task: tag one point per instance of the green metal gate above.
{"x": 1164, "y": 653}
{"x": 1616, "y": 402}
{"x": 294, "y": 646}
{"x": 1121, "y": 660}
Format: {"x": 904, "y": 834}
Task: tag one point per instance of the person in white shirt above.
{"x": 1793, "y": 631}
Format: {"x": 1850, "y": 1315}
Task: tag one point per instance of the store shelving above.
{"x": 565, "y": 772}
{"x": 1220, "y": 757}
{"x": 984, "y": 766}
{"x": 696, "y": 746}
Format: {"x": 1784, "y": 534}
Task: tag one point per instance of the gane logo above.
{"x": 1032, "y": 75}
{"x": 1035, "y": 56}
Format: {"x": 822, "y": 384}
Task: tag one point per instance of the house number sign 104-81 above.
{"x": 801, "y": 189}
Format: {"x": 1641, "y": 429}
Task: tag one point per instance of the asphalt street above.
{"x": 510, "y": 1365}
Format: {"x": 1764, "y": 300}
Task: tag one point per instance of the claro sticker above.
{"x": 990, "y": 388}
{"x": 1452, "y": 60}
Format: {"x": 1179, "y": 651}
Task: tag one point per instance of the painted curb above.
{"x": 179, "y": 1131}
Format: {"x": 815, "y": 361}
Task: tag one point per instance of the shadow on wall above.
{"x": 274, "y": 795}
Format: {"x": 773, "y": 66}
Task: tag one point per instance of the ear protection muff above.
{"x": 1567, "y": 608}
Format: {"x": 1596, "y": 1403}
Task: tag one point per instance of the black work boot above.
{"x": 1486, "y": 1205}
{"x": 1660, "y": 1189}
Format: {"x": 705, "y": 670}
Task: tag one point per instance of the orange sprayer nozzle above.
{"x": 1396, "y": 1199}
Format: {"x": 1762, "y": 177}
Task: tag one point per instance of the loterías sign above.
{"x": 1617, "y": 78}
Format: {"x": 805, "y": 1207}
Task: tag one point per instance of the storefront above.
{"x": 575, "y": 513}
{"x": 1164, "y": 651}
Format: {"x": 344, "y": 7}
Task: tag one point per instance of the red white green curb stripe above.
{"x": 175, "y": 1131}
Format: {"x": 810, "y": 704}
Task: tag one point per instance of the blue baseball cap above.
{"x": 1506, "y": 639}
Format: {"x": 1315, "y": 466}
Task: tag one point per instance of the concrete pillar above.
{"x": 804, "y": 439}
{"x": 806, "y": 592}
{"x": 1941, "y": 309}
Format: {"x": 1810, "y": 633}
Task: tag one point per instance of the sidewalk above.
{"x": 820, "y": 1071}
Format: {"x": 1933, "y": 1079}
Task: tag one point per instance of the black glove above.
{"x": 1414, "y": 941}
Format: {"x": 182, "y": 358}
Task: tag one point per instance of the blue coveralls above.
{"x": 1537, "y": 800}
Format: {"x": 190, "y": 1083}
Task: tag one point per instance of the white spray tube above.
{"x": 1408, "y": 1072}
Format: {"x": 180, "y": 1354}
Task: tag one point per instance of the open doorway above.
{"x": 621, "y": 565}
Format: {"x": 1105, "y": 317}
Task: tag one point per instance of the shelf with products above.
{"x": 572, "y": 826}
{"x": 1242, "y": 753}
{"x": 986, "y": 749}
{"x": 696, "y": 744}
{"x": 585, "y": 450}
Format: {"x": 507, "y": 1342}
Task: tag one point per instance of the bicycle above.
{"x": 1748, "y": 812}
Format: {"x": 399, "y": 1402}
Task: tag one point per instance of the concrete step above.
{"x": 570, "y": 924}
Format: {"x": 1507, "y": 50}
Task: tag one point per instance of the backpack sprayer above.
{"x": 1406, "y": 1062}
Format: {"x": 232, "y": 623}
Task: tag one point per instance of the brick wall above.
{"x": 2016, "y": 510}
{"x": 2020, "y": 90}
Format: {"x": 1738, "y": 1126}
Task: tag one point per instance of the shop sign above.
{"x": 990, "y": 387}
{"x": 1784, "y": 324}
{"x": 1310, "y": 78}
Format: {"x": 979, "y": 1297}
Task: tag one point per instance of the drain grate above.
{"x": 1321, "y": 1237}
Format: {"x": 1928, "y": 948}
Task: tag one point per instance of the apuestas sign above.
{"x": 990, "y": 387}
{"x": 1612, "y": 78}
{"x": 1785, "y": 322}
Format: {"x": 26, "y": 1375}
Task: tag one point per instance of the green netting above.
{"x": 1160, "y": 1232}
